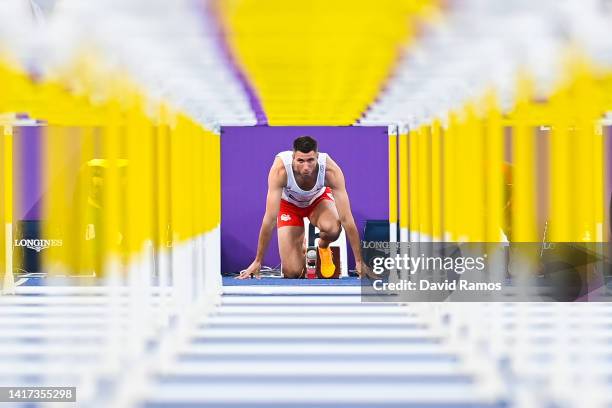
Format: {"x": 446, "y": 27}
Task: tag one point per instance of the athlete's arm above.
{"x": 334, "y": 178}
{"x": 276, "y": 180}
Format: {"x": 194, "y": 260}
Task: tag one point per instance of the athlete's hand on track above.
{"x": 253, "y": 270}
{"x": 363, "y": 270}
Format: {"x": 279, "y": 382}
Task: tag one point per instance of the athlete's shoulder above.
{"x": 285, "y": 156}
{"x": 333, "y": 172}
{"x": 330, "y": 164}
{"x": 278, "y": 174}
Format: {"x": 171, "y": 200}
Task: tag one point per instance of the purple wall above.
{"x": 28, "y": 161}
{"x": 247, "y": 154}
{"x": 27, "y": 181}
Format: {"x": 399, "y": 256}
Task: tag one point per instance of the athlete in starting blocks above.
{"x": 305, "y": 183}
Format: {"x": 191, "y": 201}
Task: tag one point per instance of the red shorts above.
{"x": 292, "y": 215}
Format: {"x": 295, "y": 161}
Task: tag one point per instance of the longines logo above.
{"x": 38, "y": 244}
{"x": 383, "y": 246}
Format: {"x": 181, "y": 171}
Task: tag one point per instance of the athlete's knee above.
{"x": 330, "y": 230}
{"x": 292, "y": 272}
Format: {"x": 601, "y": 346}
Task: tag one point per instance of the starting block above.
{"x": 313, "y": 263}
{"x": 338, "y": 248}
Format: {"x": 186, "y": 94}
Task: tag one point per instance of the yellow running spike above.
{"x": 327, "y": 262}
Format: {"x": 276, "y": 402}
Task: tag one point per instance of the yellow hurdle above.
{"x": 404, "y": 184}
{"x": 577, "y": 154}
{"x": 436, "y": 181}
{"x": 162, "y": 185}
{"x": 425, "y": 207}
{"x": 463, "y": 188}
{"x": 138, "y": 173}
{"x": 116, "y": 177}
{"x": 112, "y": 227}
{"x": 494, "y": 169}
{"x": 7, "y": 209}
{"x": 449, "y": 181}
{"x": 413, "y": 185}
{"x": 561, "y": 185}
{"x": 589, "y": 154}
{"x": 582, "y": 155}
{"x": 180, "y": 181}
{"x": 87, "y": 203}
{"x": 523, "y": 144}
{"x": 474, "y": 163}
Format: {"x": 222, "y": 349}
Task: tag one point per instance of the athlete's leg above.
{"x": 291, "y": 249}
{"x": 325, "y": 217}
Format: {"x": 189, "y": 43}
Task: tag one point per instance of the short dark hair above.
{"x": 304, "y": 144}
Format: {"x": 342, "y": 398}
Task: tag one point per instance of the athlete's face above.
{"x": 305, "y": 164}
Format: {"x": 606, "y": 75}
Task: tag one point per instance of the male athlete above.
{"x": 300, "y": 184}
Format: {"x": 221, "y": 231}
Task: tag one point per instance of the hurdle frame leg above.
{"x": 8, "y": 284}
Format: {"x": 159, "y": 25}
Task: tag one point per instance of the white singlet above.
{"x": 292, "y": 192}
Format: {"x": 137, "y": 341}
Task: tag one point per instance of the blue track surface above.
{"x": 231, "y": 281}
{"x": 228, "y": 281}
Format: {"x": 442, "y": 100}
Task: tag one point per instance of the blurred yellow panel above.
{"x": 413, "y": 183}
{"x": 6, "y": 206}
{"x": 524, "y": 174}
{"x": 424, "y": 180}
{"x": 461, "y": 192}
{"x": 475, "y": 210}
{"x": 436, "y": 180}
{"x": 494, "y": 170}
{"x": 319, "y": 62}
{"x": 449, "y": 183}
{"x": 404, "y": 180}
{"x": 561, "y": 185}
{"x": 162, "y": 184}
